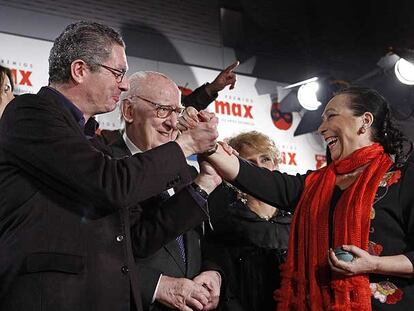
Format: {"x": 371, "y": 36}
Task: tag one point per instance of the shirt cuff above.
{"x": 156, "y": 289}
{"x": 197, "y": 196}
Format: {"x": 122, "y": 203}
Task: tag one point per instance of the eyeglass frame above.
{"x": 158, "y": 107}
{"x": 116, "y": 72}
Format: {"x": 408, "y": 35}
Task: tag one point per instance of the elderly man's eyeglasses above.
{"x": 163, "y": 111}
{"x": 118, "y": 74}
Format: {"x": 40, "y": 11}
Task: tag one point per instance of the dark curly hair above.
{"x": 384, "y": 129}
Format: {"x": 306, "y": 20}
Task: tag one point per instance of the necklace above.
{"x": 262, "y": 211}
{"x": 265, "y": 217}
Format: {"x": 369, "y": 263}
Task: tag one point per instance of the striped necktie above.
{"x": 180, "y": 239}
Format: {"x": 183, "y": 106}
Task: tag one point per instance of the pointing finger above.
{"x": 232, "y": 66}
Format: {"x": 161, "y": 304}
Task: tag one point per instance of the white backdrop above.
{"x": 27, "y": 58}
{"x": 240, "y": 109}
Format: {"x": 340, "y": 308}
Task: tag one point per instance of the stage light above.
{"x": 307, "y": 95}
{"x": 394, "y": 79}
{"x": 309, "y": 98}
{"x": 404, "y": 71}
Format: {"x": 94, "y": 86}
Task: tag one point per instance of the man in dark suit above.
{"x": 176, "y": 269}
{"x": 70, "y": 225}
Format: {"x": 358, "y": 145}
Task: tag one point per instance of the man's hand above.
{"x": 191, "y": 117}
{"x": 211, "y": 280}
{"x": 226, "y": 77}
{"x": 199, "y": 135}
{"x": 182, "y": 294}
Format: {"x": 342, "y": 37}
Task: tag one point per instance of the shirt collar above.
{"x": 131, "y": 146}
{"x": 77, "y": 114}
{"x": 134, "y": 150}
{"x": 89, "y": 128}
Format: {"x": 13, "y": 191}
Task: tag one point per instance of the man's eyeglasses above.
{"x": 118, "y": 74}
{"x": 163, "y": 111}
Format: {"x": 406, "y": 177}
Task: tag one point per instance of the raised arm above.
{"x": 227, "y": 165}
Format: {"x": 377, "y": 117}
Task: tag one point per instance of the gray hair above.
{"x": 89, "y": 41}
{"x": 136, "y": 82}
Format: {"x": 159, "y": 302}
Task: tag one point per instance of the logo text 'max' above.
{"x": 233, "y": 109}
{"x": 21, "y": 77}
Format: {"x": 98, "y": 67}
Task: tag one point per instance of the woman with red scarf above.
{"x": 362, "y": 203}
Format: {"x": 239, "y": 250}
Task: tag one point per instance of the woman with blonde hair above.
{"x": 250, "y": 237}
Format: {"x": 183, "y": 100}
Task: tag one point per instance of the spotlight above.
{"x": 312, "y": 94}
{"x": 404, "y": 70}
{"x": 307, "y": 96}
{"x": 394, "y": 78}
{"x": 307, "y": 93}
{"x": 401, "y": 61}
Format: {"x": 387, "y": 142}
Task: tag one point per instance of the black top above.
{"x": 249, "y": 249}
{"x": 392, "y": 223}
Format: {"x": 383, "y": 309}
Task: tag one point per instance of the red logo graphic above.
{"x": 21, "y": 77}
{"x": 288, "y": 158}
{"x": 282, "y": 120}
{"x": 185, "y": 91}
{"x": 234, "y": 109}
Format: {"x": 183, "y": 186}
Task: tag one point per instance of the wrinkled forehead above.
{"x": 162, "y": 91}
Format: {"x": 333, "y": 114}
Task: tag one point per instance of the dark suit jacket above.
{"x": 167, "y": 260}
{"x": 65, "y": 216}
{"x": 199, "y": 98}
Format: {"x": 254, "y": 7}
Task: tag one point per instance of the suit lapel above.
{"x": 119, "y": 149}
{"x": 174, "y": 250}
{"x": 193, "y": 253}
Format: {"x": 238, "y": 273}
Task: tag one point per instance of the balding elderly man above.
{"x": 175, "y": 276}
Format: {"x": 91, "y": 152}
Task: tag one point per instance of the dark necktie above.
{"x": 180, "y": 239}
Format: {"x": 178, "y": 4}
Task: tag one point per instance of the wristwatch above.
{"x": 211, "y": 151}
{"x": 200, "y": 191}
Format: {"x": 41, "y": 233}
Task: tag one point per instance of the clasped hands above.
{"x": 191, "y": 119}
{"x": 201, "y": 293}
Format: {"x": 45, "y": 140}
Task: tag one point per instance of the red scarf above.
{"x": 308, "y": 282}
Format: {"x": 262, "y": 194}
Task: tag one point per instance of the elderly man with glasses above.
{"x": 70, "y": 223}
{"x": 175, "y": 277}
{"x": 200, "y": 98}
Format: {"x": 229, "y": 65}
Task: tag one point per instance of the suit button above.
{"x": 119, "y": 238}
{"x": 124, "y": 269}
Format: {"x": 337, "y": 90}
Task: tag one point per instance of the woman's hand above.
{"x": 227, "y": 148}
{"x": 362, "y": 263}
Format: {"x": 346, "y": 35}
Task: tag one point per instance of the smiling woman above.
{"x": 362, "y": 202}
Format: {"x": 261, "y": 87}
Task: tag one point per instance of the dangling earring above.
{"x": 362, "y": 130}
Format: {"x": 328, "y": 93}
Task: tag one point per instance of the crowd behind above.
{"x": 118, "y": 220}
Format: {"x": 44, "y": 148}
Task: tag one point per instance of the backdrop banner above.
{"x": 252, "y": 105}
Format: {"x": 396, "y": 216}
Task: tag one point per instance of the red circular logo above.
{"x": 282, "y": 120}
